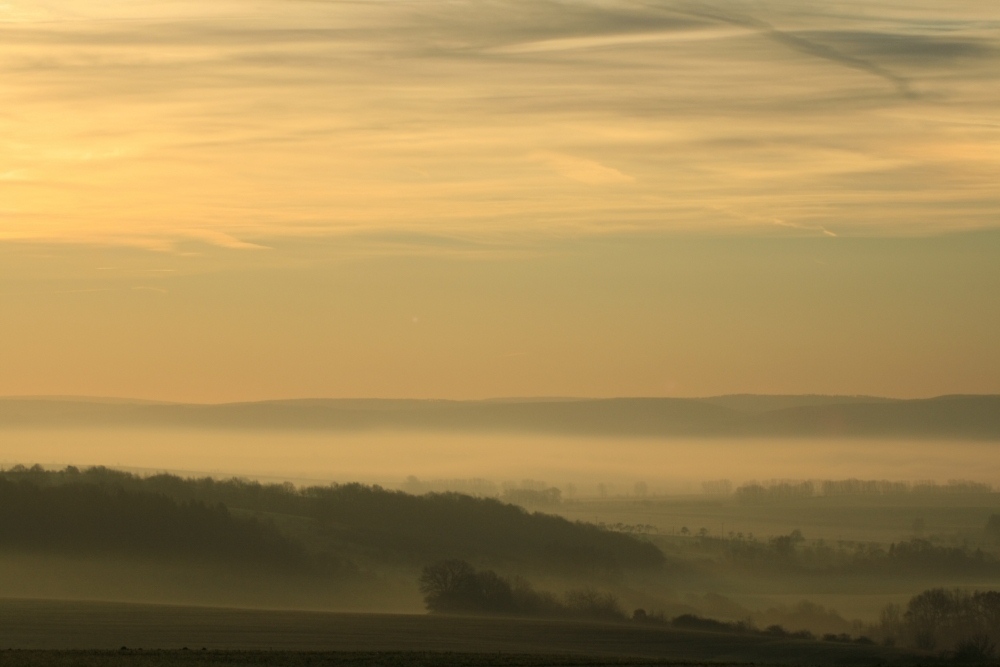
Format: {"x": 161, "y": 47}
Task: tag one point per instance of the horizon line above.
{"x": 83, "y": 398}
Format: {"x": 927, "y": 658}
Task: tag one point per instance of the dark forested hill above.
{"x": 975, "y": 417}
{"x": 82, "y": 518}
{"x": 99, "y": 509}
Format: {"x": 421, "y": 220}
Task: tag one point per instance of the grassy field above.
{"x": 83, "y": 633}
{"x": 861, "y": 518}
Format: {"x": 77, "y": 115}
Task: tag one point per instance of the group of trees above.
{"x": 967, "y": 623}
{"x": 629, "y": 528}
{"x": 777, "y": 491}
{"x": 528, "y": 492}
{"x": 455, "y": 586}
{"x": 748, "y": 626}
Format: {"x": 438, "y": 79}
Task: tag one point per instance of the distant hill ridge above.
{"x": 974, "y": 416}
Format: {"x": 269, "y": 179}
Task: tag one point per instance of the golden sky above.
{"x": 249, "y": 199}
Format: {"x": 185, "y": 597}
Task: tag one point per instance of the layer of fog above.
{"x": 586, "y": 466}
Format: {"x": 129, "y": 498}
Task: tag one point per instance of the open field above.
{"x": 862, "y": 518}
{"x": 37, "y": 625}
{"x": 130, "y": 658}
{"x": 181, "y": 658}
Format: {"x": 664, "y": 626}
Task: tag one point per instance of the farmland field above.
{"x": 85, "y": 633}
{"x": 863, "y": 518}
{"x": 309, "y": 659}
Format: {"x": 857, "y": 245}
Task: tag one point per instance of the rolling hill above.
{"x": 943, "y": 417}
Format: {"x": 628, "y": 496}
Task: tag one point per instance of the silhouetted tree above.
{"x": 455, "y": 586}
{"x": 448, "y": 585}
{"x": 589, "y": 603}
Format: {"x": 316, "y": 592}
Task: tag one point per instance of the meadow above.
{"x": 854, "y": 518}
{"x": 851, "y": 553}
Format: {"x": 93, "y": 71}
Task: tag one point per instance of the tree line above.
{"x": 755, "y": 492}
{"x": 454, "y": 586}
{"x": 792, "y": 552}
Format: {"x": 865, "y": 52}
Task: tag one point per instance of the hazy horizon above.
{"x": 665, "y": 465}
{"x": 485, "y": 399}
{"x": 670, "y": 445}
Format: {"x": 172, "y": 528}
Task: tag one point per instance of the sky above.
{"x": 226, "y": 201}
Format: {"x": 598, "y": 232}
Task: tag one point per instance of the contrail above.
{"x": 800, "y": 44}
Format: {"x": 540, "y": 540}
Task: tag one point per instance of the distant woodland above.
{"x": 99, "y": 510}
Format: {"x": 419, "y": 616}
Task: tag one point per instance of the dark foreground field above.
{"x": 207, "y": 658}
{"x": 85, "y": 633}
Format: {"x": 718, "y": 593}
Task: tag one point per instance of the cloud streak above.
{"x": 139, "y": 124}
{"x": 803, "y": 45}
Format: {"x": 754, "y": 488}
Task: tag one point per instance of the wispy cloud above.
{"x": 222, "y": 240}
{"x": 618, "y": 40}
{"x": 581, "y": 169}
{"x": 801, "y": 43}
{"x": 155, "y": 124}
